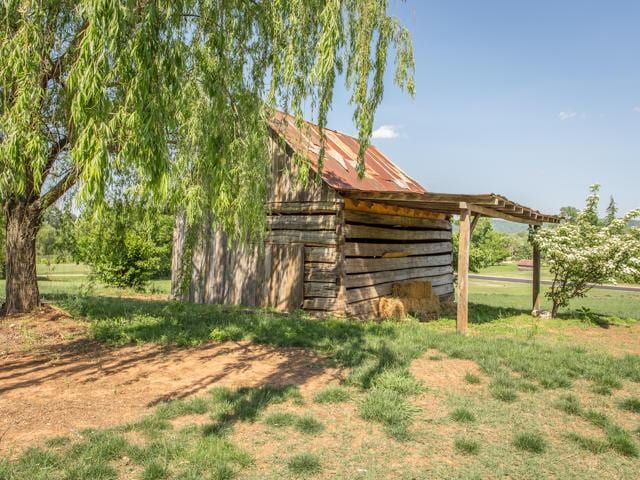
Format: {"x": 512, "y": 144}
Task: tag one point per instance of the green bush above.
{"x": 488, "y": 247}
{"x": 125, "y": 245}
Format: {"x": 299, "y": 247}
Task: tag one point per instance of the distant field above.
{"x": 518, "y": 296}
{"x": 62, "y": 268}
{"x": 511, "y": 270}
{"x": 74, "y": 285}
{"x": 493, "y": 294}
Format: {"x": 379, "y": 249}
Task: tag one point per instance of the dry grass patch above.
{"x": 190, "y": 419}
{"x": 447, "y": 373}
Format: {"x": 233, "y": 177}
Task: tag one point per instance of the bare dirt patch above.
{"x": 62, "y": 386}
{"x": 445, "y": 373}
{"x": 48, "y": 326}
{"x": 615, "y": 340}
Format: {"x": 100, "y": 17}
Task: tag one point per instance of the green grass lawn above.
{"x": 62, "y": 269}
{"x": 510, "y": 269}
{"x": 517, "y": 296}
{"x": 69, "y": 286}
{"x": 532, "y": 407}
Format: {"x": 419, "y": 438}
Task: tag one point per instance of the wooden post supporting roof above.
{"x": 536, "y": 277}
{"x": 464, "y": 246}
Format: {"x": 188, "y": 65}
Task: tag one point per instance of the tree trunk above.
{"x": 554, "y": 309}
{"x": 22, "y": 222}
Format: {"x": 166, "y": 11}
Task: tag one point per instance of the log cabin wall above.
{"x": 386, "y": 245}
{"x": 323, "y": 253}
{"x": 310, "y": 216}
{"x": 299, "y": 265}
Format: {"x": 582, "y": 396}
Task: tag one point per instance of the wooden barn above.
{"x": 339, "y": 244}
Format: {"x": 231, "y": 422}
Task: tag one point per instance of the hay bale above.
{"x": 449, "y": 309}
{"x": 400, "y": 307}
{"x": 415, "y": 289}
{"x": 423, "y": 308}
{"x": 391, "y": 307}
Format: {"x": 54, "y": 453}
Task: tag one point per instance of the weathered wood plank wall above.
{"x": 296, "y": 267}
{"x": 386, "y": 246}
{"x": 323, "y": 253}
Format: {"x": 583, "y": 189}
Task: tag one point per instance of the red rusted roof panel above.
{"x": 340, "y": 159}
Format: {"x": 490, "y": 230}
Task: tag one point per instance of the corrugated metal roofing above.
{"x": 340, "y": 159}
{"x": 383, "y": 180}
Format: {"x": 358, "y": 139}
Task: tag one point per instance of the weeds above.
{"x": 466, "y": 445}
{"x": 332, "y": 395}
{"x": 154, "y": 471}
{"x": 280, "y": 419}
{"x": 463, "y": 415}
{"x": 400, "y": 381}
{"x": 309, "y": 425}
{"x": 472, "y": 378}
{"x": 601, "y": 390}
{"x": 504, "y": 394}
{"x": 303, "y": 423}
{"x": 530, "y": 441}
{"x": 390, "y": 409}
{"x": 569, "y": 404}
{"x": 618, "y": 438}
{"x": 621, "y": 442}
{"x": 593, "y": 445}
{"x": 304, "y": 464}
{"x": 55, "y": 442}
{"x": 630, "y": 404}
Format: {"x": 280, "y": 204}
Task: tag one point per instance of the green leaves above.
{"x": 174, "y": 96}
{"x": 587, "y": 251}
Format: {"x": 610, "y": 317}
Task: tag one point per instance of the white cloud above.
{"x": 636, "y": 109}
{"x": 386, "y": 131}
{"x": 567, "y": 115}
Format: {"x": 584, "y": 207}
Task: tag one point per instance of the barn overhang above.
{"x": 469, "y": 208}
{"x": 483, "y": 205}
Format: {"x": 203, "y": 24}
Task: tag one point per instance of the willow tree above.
{"x": 174, "y": 95}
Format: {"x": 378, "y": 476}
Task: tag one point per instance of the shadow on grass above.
{"x": 367, "y": 348}
{"x": 480, "y": 313}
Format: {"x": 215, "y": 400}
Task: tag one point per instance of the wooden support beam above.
{"x": 476, "y": 217}
{"x": 464, "y": 246}
{"x": 490, "y": 212}
{"x": 536, "y": 277}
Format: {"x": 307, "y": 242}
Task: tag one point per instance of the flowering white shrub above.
{"x": 586, "y": 252}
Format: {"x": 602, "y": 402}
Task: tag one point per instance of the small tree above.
{"x": 175, "y": 94}
{"x": 488, "y": 247}
{"x": 612, "y": 211}
{"x": 126, "y": 244}
{"x": 587, "y": 252}
{"x": 519, "y": 246}
{"x": 569, "y": 213}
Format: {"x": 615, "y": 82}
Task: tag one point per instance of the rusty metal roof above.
{"x": 341, "y": 156}
{"x": 383, "y": 181}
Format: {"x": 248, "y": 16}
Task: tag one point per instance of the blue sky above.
{"x": 533, "y": 100}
